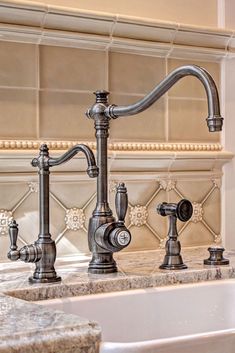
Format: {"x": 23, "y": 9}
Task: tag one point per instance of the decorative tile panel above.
{"x": 149, "y": 230}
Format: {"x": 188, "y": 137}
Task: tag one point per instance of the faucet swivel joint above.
{"x": 183, "y": 211}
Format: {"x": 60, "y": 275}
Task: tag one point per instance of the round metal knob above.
{"x": 216, "y": 257}
{"x": 120, "y": 237}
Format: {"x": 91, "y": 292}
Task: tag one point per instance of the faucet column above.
{"x": 102, "y": 258}
{"x": 44, "y": 271}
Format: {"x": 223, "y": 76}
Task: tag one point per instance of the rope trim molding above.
{"x": 120, "y": 146}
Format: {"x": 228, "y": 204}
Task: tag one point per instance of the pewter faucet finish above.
{"x": 101, "y": 112}
{"x": 43, "y": 251}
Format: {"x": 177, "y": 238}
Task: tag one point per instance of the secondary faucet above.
{"x": 43, "y": 251}
{"x": 102, "y": 223}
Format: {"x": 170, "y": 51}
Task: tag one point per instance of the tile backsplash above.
{"x": 45, "y": 91}
{"x": 72, "y": 202}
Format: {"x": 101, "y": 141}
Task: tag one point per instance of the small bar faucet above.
{"x": 43, "y": 251}
{"x": 101, "y": 112}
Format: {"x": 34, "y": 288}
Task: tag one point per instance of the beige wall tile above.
{"x": 196, "y": 234}
{"x": 74, "y": 194}
{"x": 187, "y": 121}
{"x": 229, "y": 13}
{"x": 134, "y": 73}
{"x": 18, "y": 114}
{"x": 70, "y": 68}
{"x": 62, "y": 116}
{"x": 212, "y": 212}
{"x": 194, "y": 190}
{"x": 73, "y": 242}
{"x": 18, "y": 64}
{"x": 187, "y": 11}
{"x": 190, "y": 86}
{"x": 146, "y": 126}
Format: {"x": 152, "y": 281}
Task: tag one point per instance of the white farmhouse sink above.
{"x": 190, "y": 318}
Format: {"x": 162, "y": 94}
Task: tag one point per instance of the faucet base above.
{"x": 172, "y": 262}
{"x": 102, "y": 263}
{"x": 45, "y": 280}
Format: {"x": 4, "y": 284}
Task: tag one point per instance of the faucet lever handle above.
{"x": 121, "y": 202}
{"x": 13, "y": 233}
{"x": 13, "y": 254}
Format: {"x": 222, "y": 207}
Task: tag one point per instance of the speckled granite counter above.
{"x": 27, "y": 327}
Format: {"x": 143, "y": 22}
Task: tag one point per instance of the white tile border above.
{"x": 26, "y": 21}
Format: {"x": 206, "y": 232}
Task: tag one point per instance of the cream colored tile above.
{"x": 207, "y": 38}
{"x": 134, "y": 73}
{"x": 62, "y": 116}
{"x": 57, "y": 218}
{"x": 187, "y": 121}
{"x": 190, "y": 86}
{"x": 194, "y": 190}
{"x": 17, "y": 64}
{"x": 211, "y": 211}
{"x": 18, "y": 113}
{"x": 70, "y": 20}
{"x": 186, "y": 11}
{"x": 70, "y": 68}
{"x": 157, "y": 222}
{"x": 126, "y": 28}
{"x": 27, "y": 217}
{"x": 11, "y": 193}
{"x": 196, "y": 234}
{"x": 142, "y": 239}
{"x": 73, "y": 242}
{"x": 74, "y": 194}
{"x": 146, "y": 126}
{"x": 30, "y": 14}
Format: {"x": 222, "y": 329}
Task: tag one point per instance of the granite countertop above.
{"x": 27, "y": 327}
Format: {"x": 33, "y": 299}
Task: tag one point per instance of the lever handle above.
{"x": 13, "y": 254}
{"x": 121, "y": 202}
{"x": 13, "y": 233}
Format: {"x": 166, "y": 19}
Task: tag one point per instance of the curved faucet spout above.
{"x": 92, "y": 169}
{"x": 214, "y": 119}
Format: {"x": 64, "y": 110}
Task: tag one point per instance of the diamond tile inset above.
{"x": 75, "y": 218}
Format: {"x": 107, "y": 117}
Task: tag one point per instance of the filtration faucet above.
{"x": 102, "y": 224}
{"x": 43, "y": 251}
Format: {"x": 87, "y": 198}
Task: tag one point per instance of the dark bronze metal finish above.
{"x": 183, "y": 211}
{"x": 216, "y": 257}
{"x": 214, "y": 119}
{"x": 101, "y": 112}
{"x": 43, "y": 251}
{"x": 105, "y": 234}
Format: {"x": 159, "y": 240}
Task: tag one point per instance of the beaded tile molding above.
{"x": 120, "y": 146}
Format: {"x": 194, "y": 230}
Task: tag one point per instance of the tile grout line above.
{"x": 38, "y": 90}
{"x": 166, "y": 106}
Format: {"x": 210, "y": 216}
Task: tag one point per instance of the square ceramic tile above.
{"x": 187, "y": 121}
{"x": 130, "y": 73}
{"x": 146, "y": 126}
{"x": 18, "y": 118}
{"x": 62, "y": 116}
{"x": 18, "y": 64}
{"x": 71, "y": 68}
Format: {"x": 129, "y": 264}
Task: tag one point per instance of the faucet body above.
{"x": 101, "y": 112}
{"x": 43, "y": 251}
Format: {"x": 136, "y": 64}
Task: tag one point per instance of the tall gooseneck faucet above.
{"x": 104, "y": 231}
